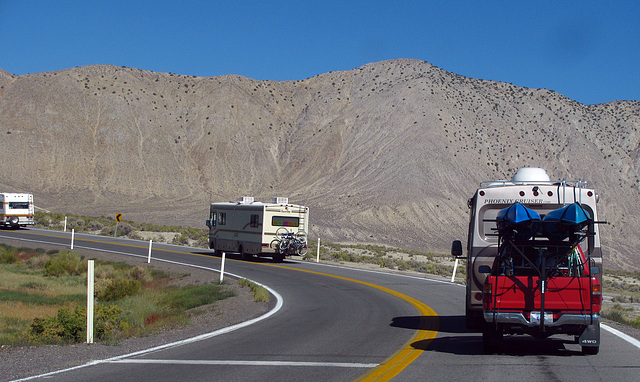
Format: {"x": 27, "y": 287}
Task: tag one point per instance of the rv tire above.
{"x": 243, "y": 254}
{"x": 278, "y": 258}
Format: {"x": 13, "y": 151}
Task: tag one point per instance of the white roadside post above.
{"x": 455, "y": 267}
{"x": 90, "y": 287}
{"x": 149, "y": 257}
{"x": 222, "y": 267}
{"x": 65, "y": 224}
{"x": 73, "y": 236}
{"x": 318, "y": 253}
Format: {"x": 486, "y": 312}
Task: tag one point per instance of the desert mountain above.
{"x": 386, "y": 153}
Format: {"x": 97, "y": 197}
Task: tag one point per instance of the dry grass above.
{"x": 17, "y": 310}
{"x": 35, "y": 282}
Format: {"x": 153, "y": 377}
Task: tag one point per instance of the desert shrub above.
{"x": 140, "y": 274}
{"x": 69, "y": 326}
{"x": 119, "y": 288}
{"x": 8, "y": 256}
{"x": 64, "y": 263}
{"x": 108, "y": 231}
{"x": 94, "y": 225}
{"x": 108, "y": 321}
{"x": 37, "y": 262}
{"x": 179, "y": 240}
{"x": 124, "y": 229}
{"x": 45, "y": 330}
{"x": 613, "y": 315}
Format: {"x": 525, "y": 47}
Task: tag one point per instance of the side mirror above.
{"x": 208, "y": 223}
{"x": 484, "y": 269}
{"x": 456, "y": 248}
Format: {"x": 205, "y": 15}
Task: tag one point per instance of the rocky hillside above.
{"x": 386, "y": 153}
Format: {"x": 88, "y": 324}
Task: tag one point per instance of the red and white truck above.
{"x": 534, "y": 260}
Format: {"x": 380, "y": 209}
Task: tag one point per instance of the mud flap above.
{"x": 590, "y": 336}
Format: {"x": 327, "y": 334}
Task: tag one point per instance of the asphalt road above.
{"x": 341, "y": 324}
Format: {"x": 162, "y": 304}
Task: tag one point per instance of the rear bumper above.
{"x": 515, "y": 318}
{"x": 21, "y": 221}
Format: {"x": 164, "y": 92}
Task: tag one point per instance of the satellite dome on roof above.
{"x": 530, "y": 174}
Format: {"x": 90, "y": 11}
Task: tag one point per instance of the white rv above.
{"x": 532, "y": 188}
{"x": 257, "y": 229}
{"x": 16, "y": 209}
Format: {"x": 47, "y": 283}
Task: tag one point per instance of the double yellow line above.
{"x": 393, "y": 365}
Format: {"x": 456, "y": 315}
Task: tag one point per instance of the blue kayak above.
{"x": 559, "y": 224}
{"x": 518, "y": 221}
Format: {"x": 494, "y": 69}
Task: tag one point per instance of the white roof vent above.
{"x": 280, "y": 200}
{"x": 245, "y": 200}
{"x": 530, "y": 175}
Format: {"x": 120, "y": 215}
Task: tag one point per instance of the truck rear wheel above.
{"x": 491, "y": 337}
{"x": 472, "y": 321}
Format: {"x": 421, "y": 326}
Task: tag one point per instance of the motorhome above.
{"x": 258, "y": 229}
{"x": 516, "y": 226}
{"x": 16, "y": 209}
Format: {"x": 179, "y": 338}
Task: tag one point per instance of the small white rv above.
{"x": 16, "y": 209}
{"x": 257, "y": 229}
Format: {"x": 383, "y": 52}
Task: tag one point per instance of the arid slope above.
{"x": 386, "y": 153}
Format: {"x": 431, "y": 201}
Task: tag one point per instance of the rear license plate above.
{"x": 535, "y": 317}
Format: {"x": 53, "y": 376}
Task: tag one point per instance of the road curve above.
{"x": 340, "y": 324}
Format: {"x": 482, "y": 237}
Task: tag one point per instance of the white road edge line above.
{"x": 246, "y": 363}
{"x": 618, "y": 333}
{"x": 205, "y": 336}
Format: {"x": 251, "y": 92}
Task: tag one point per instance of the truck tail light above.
{"x": 596, "y": 294}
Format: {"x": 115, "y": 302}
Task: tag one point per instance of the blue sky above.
{"x": 587, "y": 50}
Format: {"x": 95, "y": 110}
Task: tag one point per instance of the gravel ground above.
{"x": 21, "y": 362}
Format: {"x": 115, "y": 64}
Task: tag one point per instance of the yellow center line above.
{"x": 391, "y": 366}
{"x": 398, "y": 361}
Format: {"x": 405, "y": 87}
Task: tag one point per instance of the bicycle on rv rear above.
{"x": 289, "y": 243}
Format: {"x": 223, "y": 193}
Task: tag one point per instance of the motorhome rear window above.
{"x": 285, "y": 221}
{"x": 19, "y": 205}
